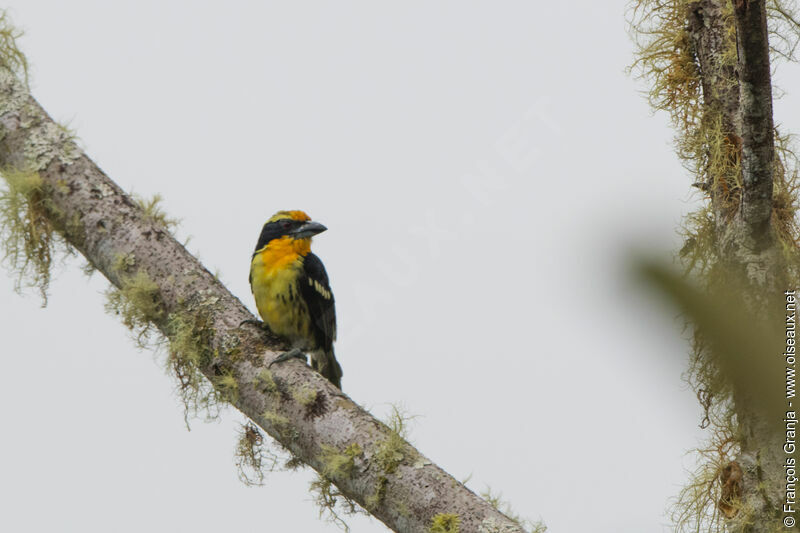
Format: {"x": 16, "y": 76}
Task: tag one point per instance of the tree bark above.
{"x": 755, "y": 100}
{"x": 106, "y": 225}
{"x": 761, "y": 457}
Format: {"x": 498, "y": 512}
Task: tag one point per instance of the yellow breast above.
{"x": 274, "y": 274}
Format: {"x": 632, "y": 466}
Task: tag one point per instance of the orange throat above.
{"x": 280, "y": 253}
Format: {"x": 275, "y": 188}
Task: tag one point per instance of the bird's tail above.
{"x": 326, "y": 364}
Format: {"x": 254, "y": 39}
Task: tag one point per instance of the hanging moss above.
{"x": 336, "y": 466}
{"x": 664, "y": 57}
{"x": 254, "y": 456}
{"x": 695, "y": 508}
{"x": 189, "y": 340}
{"x": 333, "y": 505}
{"x": 250, "y": 456}
{"x": 29, "y": 237}
{"x": 138, "y": 303}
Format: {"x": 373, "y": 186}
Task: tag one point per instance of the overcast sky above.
{"x": 484, "y": 169}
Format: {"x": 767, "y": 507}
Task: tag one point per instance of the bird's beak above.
{"x": 308, "y": 230}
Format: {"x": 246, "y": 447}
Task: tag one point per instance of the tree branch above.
{"x": 737, "y": 95}
{"x": 755, "y": 100}
{"x": 746, "y": 245}
{"x": 292, "y": 403}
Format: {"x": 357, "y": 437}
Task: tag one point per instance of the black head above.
{"x": 292, "y": 224}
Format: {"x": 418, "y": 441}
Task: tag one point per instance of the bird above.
{"x": 292, "y": 292}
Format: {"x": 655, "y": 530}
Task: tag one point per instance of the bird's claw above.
{"x": 294, "y": 353}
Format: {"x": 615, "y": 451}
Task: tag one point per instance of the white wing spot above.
{"x": 320, "y": 289}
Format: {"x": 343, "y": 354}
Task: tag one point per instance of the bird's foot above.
{"x": 294, "y": 353}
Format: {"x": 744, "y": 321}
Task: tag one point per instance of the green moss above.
{"x": 281, "y": 424}
{"x": 28, "y": 233}
{"x": 338, "y": 465}
{"x": 227, "y": 387}
{"x": 138, "y": 303}
{"x": 275, "y": 419}
{"x": 155, "y": 214}
{"x": 189, "y": 335}
{"x": 445, "y": 523}
{"x": 390, "y": 452}
{"x": 123, "y": 263}
{"x": 376, "y": 498}
{"x": 332, "y": 503}
{"x": 304, "y": 395}
{"x": 353, "y": 450}
{"x": 265, "y": 382}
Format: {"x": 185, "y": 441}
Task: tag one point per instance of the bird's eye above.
{"x": 286, "y": 224}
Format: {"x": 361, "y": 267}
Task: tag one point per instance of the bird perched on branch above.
{"x": 292, "y": 293}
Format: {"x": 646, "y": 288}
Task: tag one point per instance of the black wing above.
{"x": 316, "y": 291}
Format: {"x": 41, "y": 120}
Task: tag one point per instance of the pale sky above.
{"x": 484, "y": 169}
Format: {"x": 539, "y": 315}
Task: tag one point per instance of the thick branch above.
{"x": 405, "y": 497}
{"x": 755, "y": 100}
